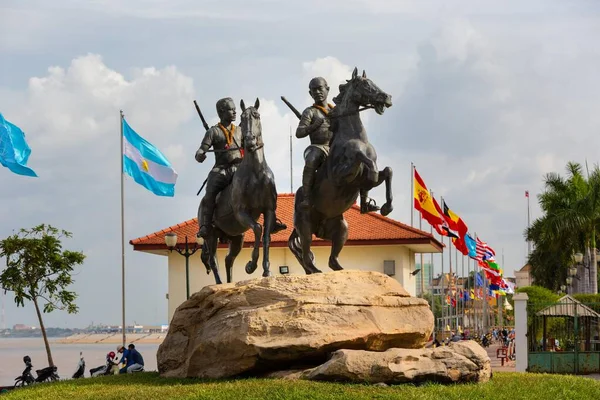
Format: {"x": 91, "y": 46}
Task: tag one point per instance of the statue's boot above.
{"x": 278, "y": 226}
{"x": 367, "y": 204}
{"x": 308, "y": 177}
{"x": 206, "y": 222}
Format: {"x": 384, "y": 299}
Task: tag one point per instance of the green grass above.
{"x": 150, "y": 386}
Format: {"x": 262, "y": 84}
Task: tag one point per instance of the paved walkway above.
{"x": 509, "y": 366}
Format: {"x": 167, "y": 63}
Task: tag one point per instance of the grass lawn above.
{"x": 150, "y": 386}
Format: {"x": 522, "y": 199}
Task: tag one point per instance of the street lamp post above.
{"x": 171, "y": 242}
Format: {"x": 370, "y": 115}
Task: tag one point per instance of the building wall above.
{"x": 523, "y": 279}
{"x": 366, "y": 258}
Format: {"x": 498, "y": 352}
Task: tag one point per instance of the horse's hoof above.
{"x": 334, "y": 265}
{"x": 266, "y": 274}
{"x": 251, "y": 267}
{"x": 386, "y": 209}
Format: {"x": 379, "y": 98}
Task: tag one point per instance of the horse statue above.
{"x": 349, "y": 170}
{"x": 251, "y": 193}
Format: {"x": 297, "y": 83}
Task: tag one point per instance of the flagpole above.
{"x": 412, "y": 192}
{"x": 122, "y": 236}
{"x": 291, "y": 165}
{"x": 431, "y": 287}
{"x": 463, "y": 296}
{"x": 422, "y": 266}
{"x": 450, "y": 285}
{"x": 528, "y": 226}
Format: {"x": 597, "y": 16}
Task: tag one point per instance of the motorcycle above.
{"x": 43, "y": 375}
{"x": 110, "y": 368}
{"x": 26, "y": 378}
{"x": 80, "y": 367}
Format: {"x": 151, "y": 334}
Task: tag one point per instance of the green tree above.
{"x": 39, "y": 270}
{"x": 570, "y": 223}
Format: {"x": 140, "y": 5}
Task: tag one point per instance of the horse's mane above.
{"x": 342, "y": 98}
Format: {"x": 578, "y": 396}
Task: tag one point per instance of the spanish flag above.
{"x": 425, "y": 203}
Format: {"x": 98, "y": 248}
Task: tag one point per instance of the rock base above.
{"x": 464, "y": 361}
{"x": 284, "y": 322}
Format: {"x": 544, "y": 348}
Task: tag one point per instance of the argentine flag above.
{"x": 146, "y": 164}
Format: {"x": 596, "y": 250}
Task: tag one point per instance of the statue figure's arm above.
{"x": 307, "y": 125}
{"x": 204, "y": 146}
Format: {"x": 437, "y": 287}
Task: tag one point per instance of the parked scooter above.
{"x": 80, "y": 367}
{"x": 43, "y": 375}
{"x": 110, "y": 368}
{"x": 26, "y": 378}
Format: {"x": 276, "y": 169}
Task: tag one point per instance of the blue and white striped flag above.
{"x": 146, "y": 164}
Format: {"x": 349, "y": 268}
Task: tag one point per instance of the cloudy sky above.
{"x": 488, "y": 97}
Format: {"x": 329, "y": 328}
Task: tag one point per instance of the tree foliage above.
{"x": 40, "y": 271}
{"x": 570, "y": 223}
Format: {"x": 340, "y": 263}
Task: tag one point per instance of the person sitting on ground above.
{"x": 125, "y": 358}
{"x": 137, "y": 361}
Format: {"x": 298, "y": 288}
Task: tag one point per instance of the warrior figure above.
{"x": 316, "y": 124}
{"x": 226, "y": 140}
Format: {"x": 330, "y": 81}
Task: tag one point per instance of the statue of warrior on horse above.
{"x": 340, "y": 165}
{"x": 239, "y": 188}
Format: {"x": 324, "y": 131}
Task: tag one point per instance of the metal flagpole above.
{"x": 431, "y": 287}
{"x": 291, "y": 165}
{"x": 422, "y": 266}
{"x": 528, "y": 225}
{"x": 412, "y": 191}
{"x": 463, "y": 293}
{"x": 122, "y": 236}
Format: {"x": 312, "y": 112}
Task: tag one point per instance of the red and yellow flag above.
{"x": 424, "y": 202}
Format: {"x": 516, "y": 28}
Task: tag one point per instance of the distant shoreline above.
{"x": 112, "y": 338}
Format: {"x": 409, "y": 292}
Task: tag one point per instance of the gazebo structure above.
{"x": 569, "y": 338}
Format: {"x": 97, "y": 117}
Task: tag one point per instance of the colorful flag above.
{"x": 484, "y": 252}
{"x": 14, "y": 150}
{"x": 527, "y": 193}
{"x": 454, "y": 221}
{"x": 424, "y": 202}
{"x": 146, "y": 164}
{"x": 443, "y": 228}
{"x": 478, "y": 279}
{"x": 471, "y": 246}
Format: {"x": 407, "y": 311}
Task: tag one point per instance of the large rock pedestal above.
{"x": 287, "y": 322}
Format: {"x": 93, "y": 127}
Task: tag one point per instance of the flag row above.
{"x": 447, "y": 223}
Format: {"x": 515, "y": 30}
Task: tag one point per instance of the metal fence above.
{"x": 564, "y": 336}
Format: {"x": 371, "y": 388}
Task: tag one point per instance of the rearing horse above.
{"x": 349, "y": 170}
{"x": 252, "y": 192}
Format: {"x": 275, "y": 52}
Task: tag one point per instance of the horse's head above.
{"x": 251, "y": 127}
{"x": 360, "y": 91}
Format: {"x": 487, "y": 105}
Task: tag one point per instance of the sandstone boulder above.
{"x": 464, "y": 361}
{"x": 288, "y": 322}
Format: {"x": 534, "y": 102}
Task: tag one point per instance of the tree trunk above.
{"x": 39, "y": 314}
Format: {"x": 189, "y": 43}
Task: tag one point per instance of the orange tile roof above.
{"x": 363, "y": 229}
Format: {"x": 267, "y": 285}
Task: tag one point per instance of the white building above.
{"x": 375, "y": 243}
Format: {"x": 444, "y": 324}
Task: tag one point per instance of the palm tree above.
{"x": 571, "y": 218}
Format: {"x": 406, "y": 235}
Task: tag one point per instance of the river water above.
{"x": 65, "y": 356}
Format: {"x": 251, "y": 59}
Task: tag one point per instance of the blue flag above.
{"x": 471, "y": 246}
{"x": 14, "y": 150}
{"x": 478, "y": 279}
{"x": 146, "y": 164}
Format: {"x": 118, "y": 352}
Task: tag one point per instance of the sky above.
{"x": 487, "y": 96}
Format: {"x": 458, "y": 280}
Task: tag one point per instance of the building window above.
{"x": 389, "y": 267}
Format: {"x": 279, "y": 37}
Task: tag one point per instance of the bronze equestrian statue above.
{"x": 349, "y": 170}
{"x": 240, "y": 188}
